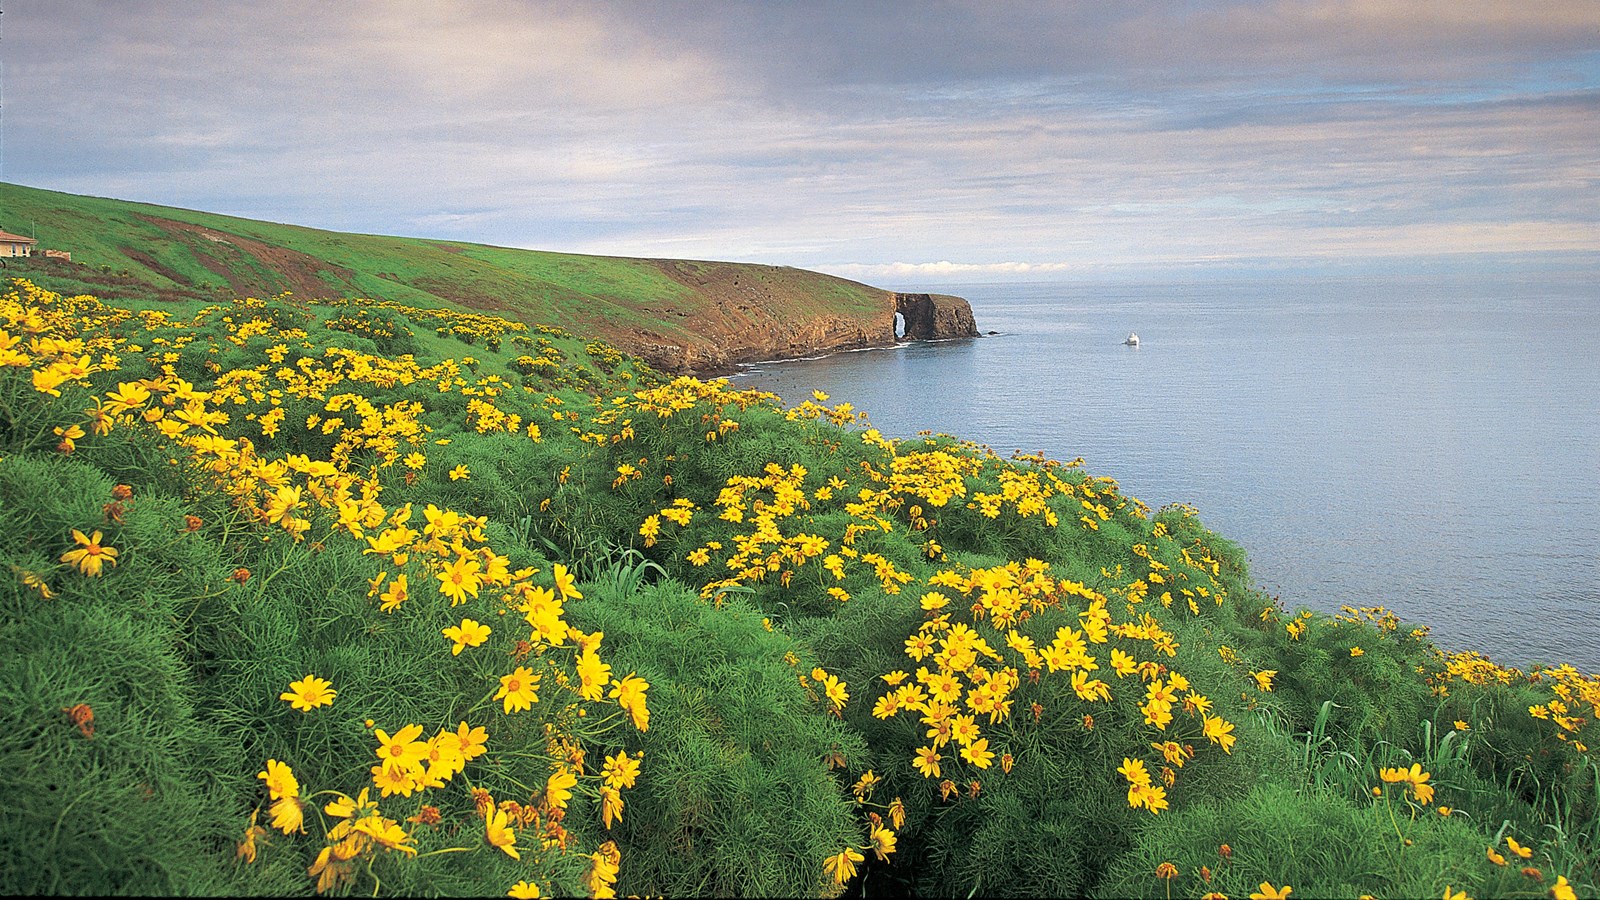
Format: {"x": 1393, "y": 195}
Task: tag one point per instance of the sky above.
{"x": 890, "y": 142}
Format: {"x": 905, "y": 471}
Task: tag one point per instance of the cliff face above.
{"x": 743, "y": 313}
{"x": 935, "y": 316}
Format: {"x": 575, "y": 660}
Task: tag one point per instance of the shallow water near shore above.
{"x": 1428, "y": 444}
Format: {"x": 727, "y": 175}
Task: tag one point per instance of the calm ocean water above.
{"x": 1432, "y": 445}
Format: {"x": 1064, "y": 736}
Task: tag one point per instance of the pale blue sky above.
{"x": 890, "y": 142}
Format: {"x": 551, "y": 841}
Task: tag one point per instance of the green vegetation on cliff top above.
{"x": 374, "y": 598}
{"x": 122, "y": 249}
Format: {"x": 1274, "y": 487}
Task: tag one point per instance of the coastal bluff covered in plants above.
{"x": 687, "y": 316}
{"x": 371, "y": 597}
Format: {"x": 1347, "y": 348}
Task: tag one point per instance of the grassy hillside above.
{"x": 368, "y": 599}
{"x": 139, "y": 251}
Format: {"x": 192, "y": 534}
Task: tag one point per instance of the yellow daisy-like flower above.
{"x": 459, "y": 579}
{"x": 566, "y": 583}
{"x": 842, "y": 866}
{"x": 519, "y": 690}
{"x": 524, "y": 890}
{"x": 610, "y": 805}
{"x": 883, "y": 842}
{"x": 460, "y": 472}
{"x": 630, "y": 695}
{"x": 470, "y": 741}
{"x": 978, "y": 753}
{"x": 468, "y": 634}
{"x": 1219, "y": 731}
{"x": 558, "y": 789}
{"x": 403, "y": 751}
{"x": 288, "y": 815}
{"x": 1268, "y": 892}
{"x": 309, "y": 693}
{"x": 498, "y": 830}
{"x": 90, "y": 555}
{"x": 620, "y": 771}
{"x": 280, "y": 780}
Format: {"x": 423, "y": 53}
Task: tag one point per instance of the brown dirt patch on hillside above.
{"x": 302, "y": 274}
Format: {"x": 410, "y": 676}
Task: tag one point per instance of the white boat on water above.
{"x": 1133, "y": 340}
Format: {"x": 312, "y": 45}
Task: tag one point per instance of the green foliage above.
{"x": 120, "y": 804}
{"x": 749, "y": 563}
{"x": 1318, "y": 843}
{"x": 739, "y": 800}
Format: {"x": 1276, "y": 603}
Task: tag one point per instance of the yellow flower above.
{"x": 471, "y": 741}
{"x": 468, "y": 634}
{"x": 978, "y": 753}
{"x": 309, "y": 693}
{"x": 594, "y": 675}
{"x": 558, "y": 789}
{"x": 247, "y": 847}
{"x": 90, "y": 555}
{"x": 460, "y": 472}
{"x": 393, "y": 781}
{"x": 1220, "y": 732}
{"x": 1268, "y": 892}
{"x": 396, "y": 594}
{"x": 620, "y": 771}
{"x": 566, "y": 583}
{"x": 128, "y": 395}
{"x": 1561, "y": 890}
{"x": 403, "y": 751}
{"x": 519, "y": 690}
{"x": 1134, "y": 771}
{"x": 499, "y": 832}
{"x": 444, "y": 757}
{"x": 1455, "y": 895}
{"x": 843, "y": 865}
{"x": 459, "y": 579}
{"x": 630, "y": 694}
{"x": 280, "y": 780}
{"x": 927, "y": 761}
{"x": 524, "y": 890}
{"x": 1264, "y": 678}
{"x": 883, "y": 841}
{"x": 1517, "y": 848}
{"x": 1494, "y": 857}
{"x": 610, "y": 805}
{"x": 1357, "y": 651}
{"x": 288, "y": 815}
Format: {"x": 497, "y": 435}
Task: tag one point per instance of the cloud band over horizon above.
{"x": 1014, "y": 139}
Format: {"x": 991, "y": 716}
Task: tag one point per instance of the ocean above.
{"x": 1427, "y": 444}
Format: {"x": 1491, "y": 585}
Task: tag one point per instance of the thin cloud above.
{"x": 1060, "y": 137}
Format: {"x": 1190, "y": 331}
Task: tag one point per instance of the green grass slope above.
{"x": 715, "y": 312}
{"x": 373, "y": 599}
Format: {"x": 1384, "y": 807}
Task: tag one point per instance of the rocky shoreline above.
{"x": 760, "y": 334}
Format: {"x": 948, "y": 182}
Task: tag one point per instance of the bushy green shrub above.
{"x": 740, "y": 799}
{"x": 1319, "y": 844}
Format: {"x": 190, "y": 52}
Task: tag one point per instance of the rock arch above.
{"x": 935, "y": 316}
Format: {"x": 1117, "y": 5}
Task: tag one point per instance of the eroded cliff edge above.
{"x": 933, "y": 317}
{"x": 739, "y": 313}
